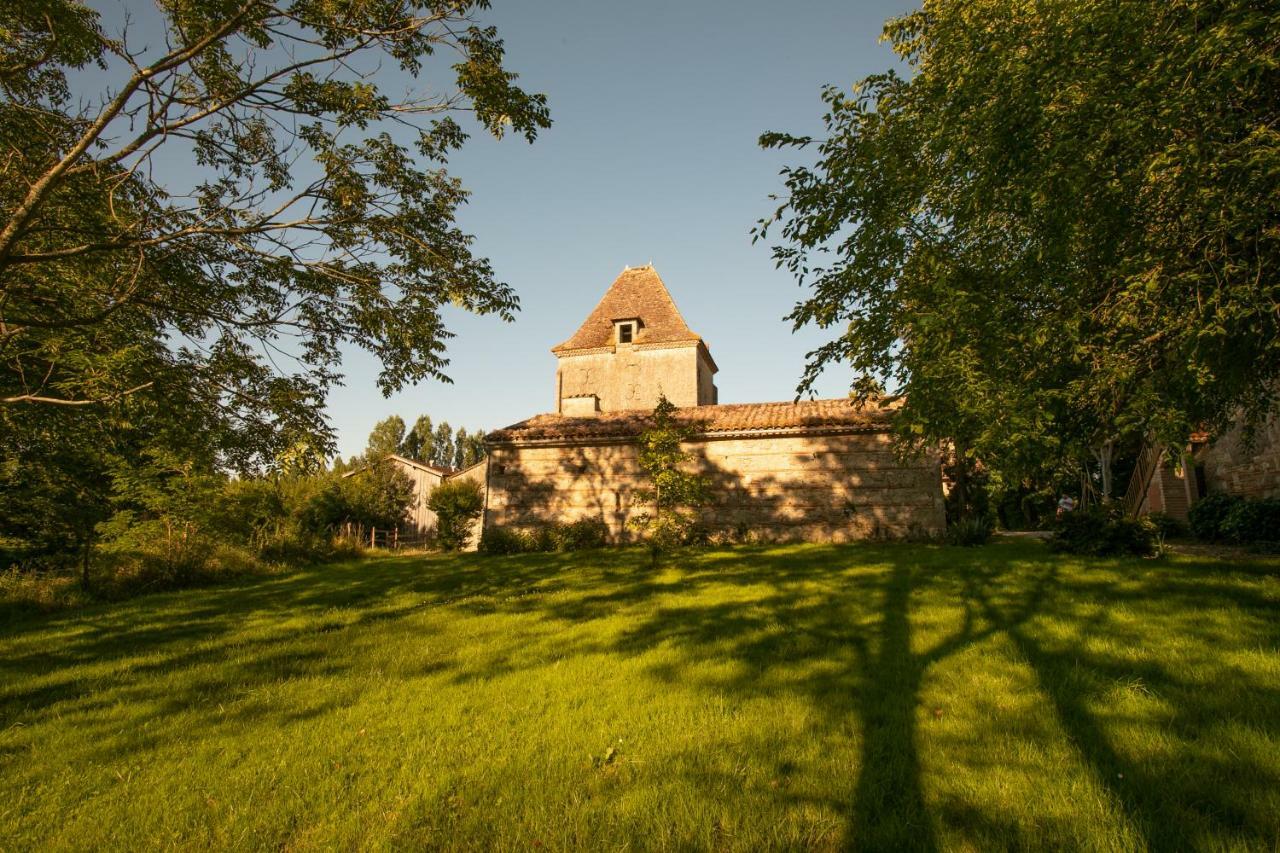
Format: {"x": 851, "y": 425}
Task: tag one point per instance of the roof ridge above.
{"x": 838, "y": 414}
{"x": 636, "y": 292}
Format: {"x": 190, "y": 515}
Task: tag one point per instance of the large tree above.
{"x": 205, "y": 213}
{"x": 1062, "y": 227}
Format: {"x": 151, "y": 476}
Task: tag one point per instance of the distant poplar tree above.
{"x": 419, "y": 441}
{"x": 474, "y": 450}
{"x": 443, "y": 451}
{"x": 386, "y": 438}
{"x": 460, "y": 448}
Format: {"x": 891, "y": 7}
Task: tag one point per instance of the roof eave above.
{"x": 710, "y": 435}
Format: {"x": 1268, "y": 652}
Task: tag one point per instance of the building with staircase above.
{"x": 1225, "y": 464}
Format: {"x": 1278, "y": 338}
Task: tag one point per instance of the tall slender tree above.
{"x": 460, "y": 440}
{"x": 474, "y": 450}
{"x": 386, "y": 438}
{"x": 419, "y": 440}
{"x": 442, "y": 449}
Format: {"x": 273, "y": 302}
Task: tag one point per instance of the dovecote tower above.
{"x": 633, "y": 348}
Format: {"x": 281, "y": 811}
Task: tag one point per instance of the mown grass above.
{"x": 872, "y": 697}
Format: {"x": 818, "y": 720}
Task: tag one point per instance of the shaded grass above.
{"x": 865, "y": 697}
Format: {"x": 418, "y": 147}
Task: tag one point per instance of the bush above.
{"x": 578, "y": 535}
{"x": 581, "y": 535}
{"x": 1252, "y": 521}
{"x": 456, "y": 503}
{"x": 1168, "y": 527}
{"x": 1208, "y": 514}
{"x": 1102, "y": 532}
{"x": 970, "y": 531}
{"x": 501, "y": 540}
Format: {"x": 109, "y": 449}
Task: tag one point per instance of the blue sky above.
{"x": 653, "y": 157}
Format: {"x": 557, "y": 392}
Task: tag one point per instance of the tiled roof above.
{"x": 412, "y": 463}
{"x": 637, "y": 292}
{"x": 706, "y": 420}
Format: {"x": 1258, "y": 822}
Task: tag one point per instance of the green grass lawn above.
{"x": 873, "y": 697}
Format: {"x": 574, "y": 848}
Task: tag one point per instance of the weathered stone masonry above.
{"x": 817, "y": 470}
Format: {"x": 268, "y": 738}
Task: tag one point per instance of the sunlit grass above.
{"x": 881, "y": 697}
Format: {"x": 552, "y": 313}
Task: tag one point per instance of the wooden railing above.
{"x": 392, "y": 539}
{"x": 1148, "y": 464}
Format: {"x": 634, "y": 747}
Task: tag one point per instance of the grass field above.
{"x": 872, "y": 697}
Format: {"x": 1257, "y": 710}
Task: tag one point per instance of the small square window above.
{"x": 625, "y": 332}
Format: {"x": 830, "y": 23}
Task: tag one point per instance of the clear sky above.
{"x": 657, "y": 107}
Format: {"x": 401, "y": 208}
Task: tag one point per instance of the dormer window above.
{"x": 625, "y": 331}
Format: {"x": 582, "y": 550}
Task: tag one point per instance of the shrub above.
{"x": 1168, "y": 527}
{"x": 670, "y": 530}
{"x": 1101, "y": 532}
{"x": 970, "y": 531}
{"x": 293, "y": 546}
{"x": 501, "y": 540}
{"x": 22, "y": 590}
{"x": 542, "y": 538}
{"x": 574, "y": 536}
{"x": 1252, "y": 521}
{"x": 581, "y": 535}
{"x": 1208, "y": 514}
{"x": 456, "y": 503}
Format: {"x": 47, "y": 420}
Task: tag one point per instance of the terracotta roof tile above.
{"x": 706, "y": 420}
{"x": 637, "y": 292}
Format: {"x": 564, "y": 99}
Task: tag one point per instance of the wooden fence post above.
{"x": 373, "y": 537}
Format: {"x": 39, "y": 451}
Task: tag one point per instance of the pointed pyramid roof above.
{"x": 637, "y": 292}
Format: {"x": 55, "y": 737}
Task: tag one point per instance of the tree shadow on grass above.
{"x": 1166, "y": 800}
{"x": 128, "y": 645}
{"x": 1178, "y": 797}
{"x": 854, "y": 631}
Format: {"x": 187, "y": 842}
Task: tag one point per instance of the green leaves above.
{"x": 671, "y": 489}
{"x": 203, "y": 311}
{"x": 1058, "y": 231}
{"x": 310, "y": 224}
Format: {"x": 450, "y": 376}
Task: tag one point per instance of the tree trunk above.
{"x": 961, "y": 479}
{"x": 1103, "y": 454}
{"x": 86, "y": 553}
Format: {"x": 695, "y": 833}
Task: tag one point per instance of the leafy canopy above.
{"x": 1058, "y": 230}
{"x": 202, "y": 222}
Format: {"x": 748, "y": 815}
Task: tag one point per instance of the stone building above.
{"x": 1223, "y": 464}
{"x": 818, "y": 470}
{"x": 633, "y": 347}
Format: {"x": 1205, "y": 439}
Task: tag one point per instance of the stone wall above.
{"x": 631, "y": 376}
{"x": 787, "y": 488}
{"x": 1234, "y": 468}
